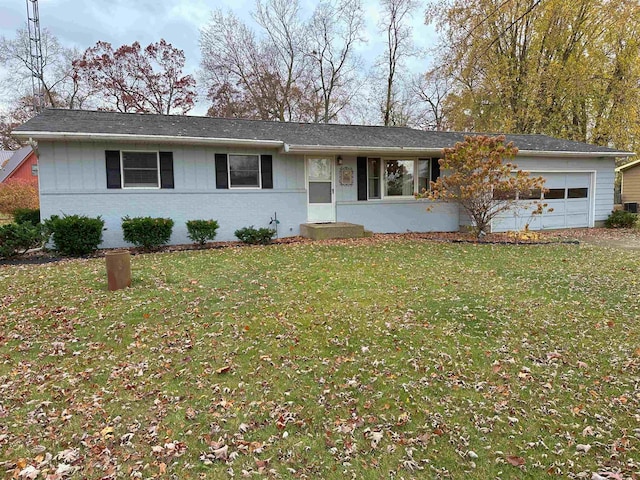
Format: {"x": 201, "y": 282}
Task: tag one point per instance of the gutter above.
{"x": 627, "y": 166}
{"x": 128, "y": 137}
{"x": 438, "y": 151}
{"x": 330, "y": 149}
{"x": 562, "y": 154}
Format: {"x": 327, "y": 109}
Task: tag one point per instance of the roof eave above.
{"x": 135, "y": 138}
{"x": 362, "y": 149}
{"x": 627, "y": 166}
{"x": 285, "y": 148}
{"x": 563, "y": 154}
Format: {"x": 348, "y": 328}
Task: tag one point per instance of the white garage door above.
{"x": 569, "y": 195}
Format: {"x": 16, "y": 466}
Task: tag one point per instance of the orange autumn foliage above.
{"x": 18, "y": 193}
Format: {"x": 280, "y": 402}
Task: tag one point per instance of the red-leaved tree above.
{"x": 133, "y": 79}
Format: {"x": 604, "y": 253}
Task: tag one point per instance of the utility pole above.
{"x": 35, "y": 55}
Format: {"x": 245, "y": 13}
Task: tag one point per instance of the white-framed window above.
{"x": 424, "y": 174}
{"x": 397, "y": 178}
{"x": 140, "y": 169}
{"x": 34, "y": 170}
{"x": 373, "y": 178}
{"x": 244, "y": 171}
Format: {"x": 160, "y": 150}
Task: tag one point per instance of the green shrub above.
{"x": 27, "y": 215}
{"x": 255, "y": 236}
{"x": 147, "y": 232}
{"x": 16, "y": 239}
{"x": 621, "y": 219}
{"x": 201, "y": 231}
{"x": 74, "y": 235}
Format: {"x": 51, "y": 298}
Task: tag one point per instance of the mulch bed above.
{"x": 569, "y": 236}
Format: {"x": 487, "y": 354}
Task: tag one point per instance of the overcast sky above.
{"x": 81, "y": 23}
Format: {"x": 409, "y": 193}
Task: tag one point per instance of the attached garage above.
{"x": 570, "y": 203}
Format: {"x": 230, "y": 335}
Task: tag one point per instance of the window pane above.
{"x": 554, "y": 194}
{"x": 244, "y": 170}
{"x": 534, "y": 194}
{"x": 578, "y": 193}
{"x": 320, "y": 169}
{"x": 319, "y": 192}
{"x": 140, "y": 160}
{"x": 503, "y": 194}
{"x": 373, "y": 171}
{"x": 140, "y": 169}
{"x": 243, "y": 179}
{"x": 398, "y": 178}
{"x": 424, "y": 176}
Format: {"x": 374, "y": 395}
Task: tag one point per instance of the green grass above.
{"x": 361, "y": 360}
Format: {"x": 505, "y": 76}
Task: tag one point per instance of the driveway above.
{"x": 627, "y": 238}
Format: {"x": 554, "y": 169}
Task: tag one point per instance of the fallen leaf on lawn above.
{"x": 222, "y": 453}
{"x": 224, "y": 369}
{"x": 515, "y": 460}
{"x": 106, "y": 432}
{"x": 375, "y": 439}
{"x": 30, "y": 472}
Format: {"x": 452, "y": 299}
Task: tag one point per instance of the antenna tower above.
{"x": 35, "y": 54}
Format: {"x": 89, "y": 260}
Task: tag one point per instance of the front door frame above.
{"x": 327, "y": 212}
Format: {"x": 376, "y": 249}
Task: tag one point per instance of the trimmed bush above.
{"x": 74, "y": 235}
{"x": 201, "y": 231}
{"x": 27, "y": 215}
{"x": 621, "y": 219}
{"x": 16, "y": 239}
{"x": 255, "y": 236}
{"x": 147, "y": 232}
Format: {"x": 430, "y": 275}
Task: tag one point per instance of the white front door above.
{"x": 320, "y": 190}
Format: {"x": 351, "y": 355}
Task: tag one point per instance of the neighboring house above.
{"x": 22, "y": 163}
{"x": 245, "y": 172}
{"x": 630, "y": 182}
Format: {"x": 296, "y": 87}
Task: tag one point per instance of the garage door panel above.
{"x": 578, "y": 180}
{"x": 558, "y": 206}
{"x": 553, "y": 221}
{"x": 554, "y": 180}
{"x": 567, "y": 212}
{"x": 577, "y": 206}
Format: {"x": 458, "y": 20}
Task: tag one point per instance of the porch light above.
{"x": 339, "y": 160}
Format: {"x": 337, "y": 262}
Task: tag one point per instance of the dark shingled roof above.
{"x": 330, "y": 135}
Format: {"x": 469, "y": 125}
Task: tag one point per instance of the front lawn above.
{"x": 362, "y": 359}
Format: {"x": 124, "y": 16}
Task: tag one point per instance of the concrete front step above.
{"x": 324, "y": 231}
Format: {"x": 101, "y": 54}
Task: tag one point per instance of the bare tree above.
{"x": 61, "y": 87}
{"x": 281, "y": 21}
{"x": 291, "y": 68}
{"x": 431, "y": 90}
{"x": 263, "y": 72}
{"x": 394, "y": 24}
{"x": 334, "y": 31}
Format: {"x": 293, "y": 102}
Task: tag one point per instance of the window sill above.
{"x": 402, "y": 200}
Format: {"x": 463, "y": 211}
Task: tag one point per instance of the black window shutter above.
{"x": 222, "y": 178}
{"x": 112, "y": 158}
{"x": 362, "y": 178}
{"x": 266, "y": 168}
{"x": 435, "y": 169}
{"x": 166, "y": 169}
